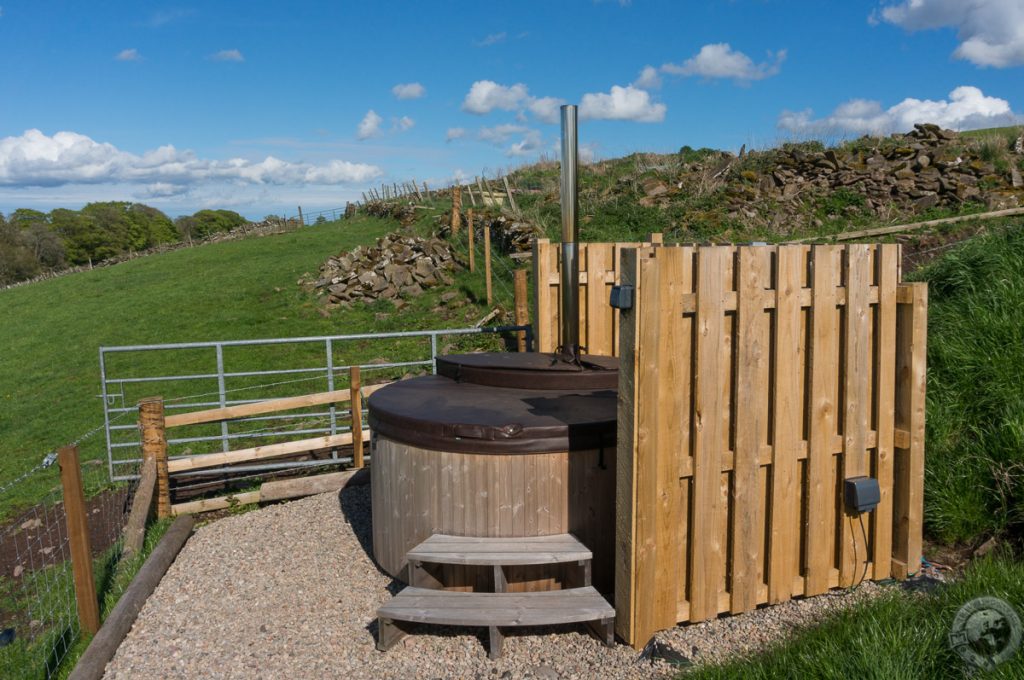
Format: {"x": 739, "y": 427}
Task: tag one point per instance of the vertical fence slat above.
{"x": 625, "y": 461}
{"x": 522, "y": 310}
{"x": 599, "y": 312}
{"x": 544, "y": 320}
{"x": 855, "y": 374}
{"x": 356, "y": 407}
{"x": 784, "y": 533}
{"x": 885, "y": 384}
{"x": 908, "y": 486}
{"x": 751, "y": 349}
{"x": 706, "y": 549}
{"x": 824, "y": 354}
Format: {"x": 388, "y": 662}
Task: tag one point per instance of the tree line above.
{"x": 34, "y": 242}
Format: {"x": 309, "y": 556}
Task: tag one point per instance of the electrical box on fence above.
{"x": 622, "y": 297}
{"x": 862, "y": 494}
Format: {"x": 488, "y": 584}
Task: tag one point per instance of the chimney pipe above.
{"x": 570, "y": 312}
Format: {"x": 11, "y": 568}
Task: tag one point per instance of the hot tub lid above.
{"x": 435, "y": 412}
{"x": 531, "y": 370}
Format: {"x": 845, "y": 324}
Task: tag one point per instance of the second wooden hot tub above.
{"x": 496, "y": 445}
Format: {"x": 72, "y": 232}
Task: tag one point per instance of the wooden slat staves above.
{"x": 599, "y": 312}
{"x": 885, "y": 384}
{"x": 752, "y": 349}
{"x": 625, "y": 461}
{"x": 784, "y": 532}
{"x": 821, "y": 415}
{"x": 706, "y": 548}
{"x": 856, "y": 391}
{"x": 908, "y": 484}
{"x": 543, "y": 320}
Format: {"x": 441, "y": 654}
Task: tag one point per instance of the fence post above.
{"x": 416, "y": 188}
{"x": 302, "y": 221}
{"x": 426, "y": 189}
{"x": 522, "y": 306}
{"x": 456, "y": 208}
{"x": 483, "y": 195}
{"x": 75, "y": 514}
{"x": 469, "y": 226}
{"x": 356, "y": 404}
{"x": 154, "y": 445}
{"x": 487, "y": 260}
{"x": 508, "y": 192}
{"x": 472, "y": 198}
{"x": 908, "y": 473}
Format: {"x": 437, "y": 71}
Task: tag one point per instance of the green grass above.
{"x": 974, "y": 483}
{"x": 49, "y": 376}
{"x": 899, "y": 636}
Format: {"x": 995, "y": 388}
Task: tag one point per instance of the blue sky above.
{"x": 262, "y": 106}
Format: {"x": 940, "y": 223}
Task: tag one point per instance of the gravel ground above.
{"x": 290, "y": 591}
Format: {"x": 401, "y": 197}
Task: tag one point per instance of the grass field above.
{"x": 49, "y": 375}
{"x": 901, "y": 636}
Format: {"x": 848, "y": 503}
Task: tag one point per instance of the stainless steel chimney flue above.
{"x": 570, "y": 312}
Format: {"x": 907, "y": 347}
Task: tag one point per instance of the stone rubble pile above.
{"x": 926, "y": 168}
{"x": 398, "y": 265}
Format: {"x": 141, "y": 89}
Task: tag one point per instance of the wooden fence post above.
{"x": 456, "y": 208}
{"x": 302, "y": 221}
{"x": 472, "y": 238}
{"x": 154, "y": 445}
{"x": 521, "y": 306}
{"x": 508, "y": 192}
{"x": 416, "y": 188}
{"x": 356, "y": 404}
{"x": 426, "y": 190}
{"x": 487, "y": 260}
{"x": 472, "y": 198}
{"x": 75, "y": 514}
{"x": 483, "y": 195}
{"x": 908, "y": 473}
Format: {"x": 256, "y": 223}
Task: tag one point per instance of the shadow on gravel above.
{"x": 355, "y": 507}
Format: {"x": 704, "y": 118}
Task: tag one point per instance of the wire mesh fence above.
{"x": 40, "y": 621}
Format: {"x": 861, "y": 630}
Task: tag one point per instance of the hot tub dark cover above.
{"x": 435, "y": 412}
{"x": 531, "y": 371}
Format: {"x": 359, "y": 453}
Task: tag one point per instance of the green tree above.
{"x": 213, "y": 221}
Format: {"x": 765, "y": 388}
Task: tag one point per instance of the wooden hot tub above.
{"x": 496, "y": 445}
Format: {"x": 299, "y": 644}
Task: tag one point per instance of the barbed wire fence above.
{"x": 40, "y": 623}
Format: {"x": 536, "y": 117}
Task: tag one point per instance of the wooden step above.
{"x": 495, "y": 610}
{"x": 444, "y": 549}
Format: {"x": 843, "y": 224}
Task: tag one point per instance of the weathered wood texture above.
{"x": 420, "y": 492}
{"x": 754, "y": 380}
{"x": 445, "y": 549}
{"x": 599, "y": 271}
{"x": 76, "y": 517}
{"x": 277, "y": 491}
{"x": 153, "y": 431}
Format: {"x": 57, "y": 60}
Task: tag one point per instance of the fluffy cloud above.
{"x": 499, "y": 134}
{"x": 227, "y": 55}
{"x": 622, "y": 103}
{"x": 545, "y": 109}
{"x": 991, "y": 32}
{"x": 131, "y": 54}
{"x": 408, "y": 91}
{"x": 404, "y": 123}
{"x": 648, "y": 79}
{"x": 485, "y": 96}
{"x": 455, "y": 133}
{"x": 530, "y": 143}
{"x": 35, "y": 159}
{"x": 967, "y": 108}
{"x": 369, "y": 126}
{"x": 719, "y": 60}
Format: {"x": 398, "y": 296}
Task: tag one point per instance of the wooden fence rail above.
{"x": 754, "y": 380}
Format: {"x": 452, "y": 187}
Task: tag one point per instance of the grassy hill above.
{"x": 49, "y": 375}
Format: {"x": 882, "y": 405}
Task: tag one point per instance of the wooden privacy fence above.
{"x": 599, "y": 271}
{"x": 754, "y": 380}
{"x": 153, "y": 425}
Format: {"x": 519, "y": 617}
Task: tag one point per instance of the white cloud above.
{"x": 131, "y": 54}
{"x": 404, "y": 123}
{"x": 408, "y": 91}
{"x": 545, "y": 109}
{"x": 648, "y": 79}
{"x": 622, "y": 103}
{"x": 35, "y": 159}
{"x": 967, "y": 108}
{"x": 530, "y": 142}
{"x": 991, "y": 32}
{"x": 492, "y": 39}
{"x": 455, "y": 133}
{"x": 485, "y": 96}
{"x": 227, "y": 55}
{"x": 369, "y": 126}
{"x": 719, "y": 60}
{"x": 499, "y": 134}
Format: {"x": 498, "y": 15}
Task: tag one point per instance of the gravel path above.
{"x": 290, "y": 591}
